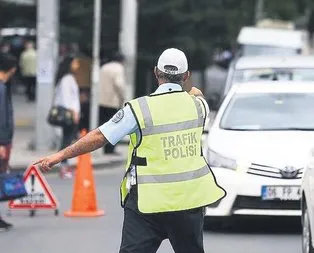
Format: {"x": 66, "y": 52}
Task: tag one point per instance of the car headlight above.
{"x": 217, "y": 160}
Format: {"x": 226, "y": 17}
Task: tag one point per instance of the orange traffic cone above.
{"x": 84, "y": 202}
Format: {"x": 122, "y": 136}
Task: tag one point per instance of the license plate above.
{"x": 281, "y": 192}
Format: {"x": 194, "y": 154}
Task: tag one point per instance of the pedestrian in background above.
{"x": 67, "y": 95}
{"x": 63, "y": 51}
{"x": 5, "y": 48}
{"x": 7, "y": 69}
{"x": 28, "y": 65}
{"x": 167, "y": 183}
{"x": 74, "y": 49}
{"x": 112, "y": 92}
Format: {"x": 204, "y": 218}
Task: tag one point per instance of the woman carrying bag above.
{"x": 67, "y": 97}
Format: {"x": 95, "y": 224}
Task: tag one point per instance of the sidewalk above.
{"x": 22, "y": 156}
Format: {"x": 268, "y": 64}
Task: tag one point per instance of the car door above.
{"x": 308, "y": 185}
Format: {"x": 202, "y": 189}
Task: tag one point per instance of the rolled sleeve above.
{"x": 121, "y": 124}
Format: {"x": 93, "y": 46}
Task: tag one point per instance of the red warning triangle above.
{"x": 40, "y": 195}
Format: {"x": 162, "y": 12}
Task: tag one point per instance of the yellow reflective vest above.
{"x": 171, "y": 172}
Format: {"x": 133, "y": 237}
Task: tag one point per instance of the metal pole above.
{"x": 96, "y": 62}
{"x": 128, "y": 42}
{"x": 47, "y": 51}
{"x": 259, "y": 10}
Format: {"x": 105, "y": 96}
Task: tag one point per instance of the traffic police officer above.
{"x": 167, "y": 182}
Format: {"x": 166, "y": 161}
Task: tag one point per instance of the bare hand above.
{"x": 196, "y": 92}
{"x": 2, "y": 152}
{"x": 46, "y": 163}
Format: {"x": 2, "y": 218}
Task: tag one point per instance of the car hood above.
{"x": 272, "y": 148}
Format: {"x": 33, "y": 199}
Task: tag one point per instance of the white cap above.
{"x": 175, "y": 58}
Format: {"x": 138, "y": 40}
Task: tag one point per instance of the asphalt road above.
{"x": 46, "y": 233}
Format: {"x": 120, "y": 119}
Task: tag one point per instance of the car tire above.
{"x": 307, "y": 246}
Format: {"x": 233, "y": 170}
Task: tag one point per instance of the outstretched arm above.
{"x": 90, "y": 142}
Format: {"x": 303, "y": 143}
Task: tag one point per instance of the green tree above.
{"x": 17, "y": 15}
{"x": 283, "y": 9}
{"x": 76, "y": 17}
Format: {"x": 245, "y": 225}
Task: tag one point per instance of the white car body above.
{"x": 274, "y": 37}
{"x": 307, "y": 205}
{"x": 21, "y": 31}
{"x": 261, "y": 159}
{"x": 266, "y": 62}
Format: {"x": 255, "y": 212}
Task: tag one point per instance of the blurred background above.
{"x": 226, "y": 42}
{"x": 206, "y": 30}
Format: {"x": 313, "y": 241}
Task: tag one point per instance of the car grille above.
{"x": 248, "y": 202}
{"x": 268, "y": 171}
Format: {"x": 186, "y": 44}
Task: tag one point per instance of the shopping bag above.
{"x": 12, "y": 186}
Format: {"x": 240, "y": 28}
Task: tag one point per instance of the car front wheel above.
{"x": 307, "y": 246}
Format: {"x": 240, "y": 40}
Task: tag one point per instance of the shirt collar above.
{"x": 168, "y": 87}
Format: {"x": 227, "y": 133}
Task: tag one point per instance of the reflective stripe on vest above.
{"x": 172, "y": 178}
{"x": 150, "y": 129}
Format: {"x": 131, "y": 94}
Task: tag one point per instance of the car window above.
{"x": 252, "y": 50}
{"x": 269, "y": 111}
{"x": 275, "y": 74}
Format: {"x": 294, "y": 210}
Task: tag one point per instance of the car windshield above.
{"x": 275, "y": 74}
{"x": 269, "y": 111}
{"x": 252, "y": 50}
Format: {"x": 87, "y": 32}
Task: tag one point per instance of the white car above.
{"x": 272, "y": 41}
{"x": 307, "y": 206}
{"x": 258, "y": 146}
{"x": 273, "y": 68}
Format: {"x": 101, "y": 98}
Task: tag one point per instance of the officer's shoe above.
{"x": 4, "y": 226}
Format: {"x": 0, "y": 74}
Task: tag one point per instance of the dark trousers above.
{"x": 69, "y": 134}
{"x": 30, "y": 82}
{"x": 104, "y": 115}
{"x": 143, "y": 233}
